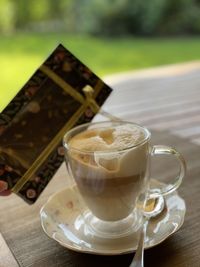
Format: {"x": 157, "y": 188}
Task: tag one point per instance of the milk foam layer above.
{"x": 108, "y": 139}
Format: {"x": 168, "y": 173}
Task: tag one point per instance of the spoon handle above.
{"x": 138, "y": 260}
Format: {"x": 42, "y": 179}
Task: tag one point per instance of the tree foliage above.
{"x": 104, "y": 17}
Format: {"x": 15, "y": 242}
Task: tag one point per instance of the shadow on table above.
{"x": 155, "y": 257}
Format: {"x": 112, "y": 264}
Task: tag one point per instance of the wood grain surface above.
{"x": 6, "y": 256}
{"x": 169, "y": 106}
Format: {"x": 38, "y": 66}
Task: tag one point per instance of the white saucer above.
{"x": 59, "y": 219}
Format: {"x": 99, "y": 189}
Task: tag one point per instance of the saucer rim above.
{"x": 103, "y": 252}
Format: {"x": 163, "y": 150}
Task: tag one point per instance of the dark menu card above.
{"x": 34, "y": 122}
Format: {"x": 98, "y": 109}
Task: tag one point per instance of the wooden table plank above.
{"x": 166, "y": 98}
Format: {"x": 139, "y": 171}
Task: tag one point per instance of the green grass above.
{"x": 21, "y": 54}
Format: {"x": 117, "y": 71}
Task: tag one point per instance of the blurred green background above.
{"x": 107, "y": 35}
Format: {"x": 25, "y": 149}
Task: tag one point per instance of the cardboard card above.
{"x": 34, "y": 122}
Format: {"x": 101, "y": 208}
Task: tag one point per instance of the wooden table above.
{"x": 167, "y": 101}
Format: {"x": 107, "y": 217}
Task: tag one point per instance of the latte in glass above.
{"x": 109, "y": 166}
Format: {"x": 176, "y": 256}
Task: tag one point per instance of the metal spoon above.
{"x": 153, "y": 207}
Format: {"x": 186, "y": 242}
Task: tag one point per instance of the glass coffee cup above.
{"x": 109, "y": 164}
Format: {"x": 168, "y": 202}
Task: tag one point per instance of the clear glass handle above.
{"x": 166, "y": 150}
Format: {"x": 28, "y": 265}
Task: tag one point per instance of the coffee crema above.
{"x": 109, "y": 167}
